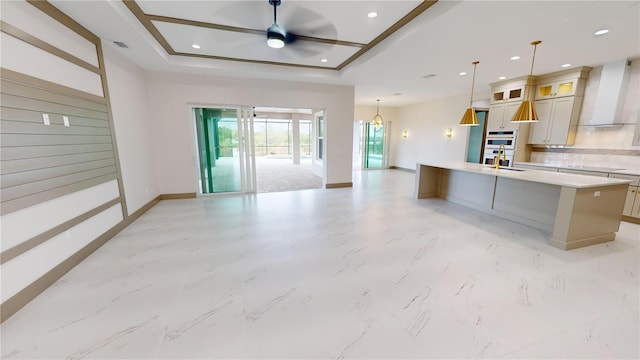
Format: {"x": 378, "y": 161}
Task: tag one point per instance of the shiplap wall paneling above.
{"x": 40, "y": 162}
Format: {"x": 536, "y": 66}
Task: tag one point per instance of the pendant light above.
{"x": 526, "y": 112}
{"x": 377, "y": 120}
{"x": 470, "y": 118}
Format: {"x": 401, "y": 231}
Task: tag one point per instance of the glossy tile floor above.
{"x": 367, "y": 272}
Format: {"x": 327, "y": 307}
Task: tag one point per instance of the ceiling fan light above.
{"x": 275, "y": 37}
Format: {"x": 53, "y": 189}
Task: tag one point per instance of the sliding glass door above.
{"x": 225, "y": 149}
{"x": 375, "y": 145}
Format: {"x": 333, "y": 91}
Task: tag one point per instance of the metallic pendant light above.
{"x": 470, "y": 118}
{"x": 526, "y": 112}
{"x": 377, "y": 120}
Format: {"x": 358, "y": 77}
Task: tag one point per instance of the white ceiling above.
{"x": 443, "y": 40}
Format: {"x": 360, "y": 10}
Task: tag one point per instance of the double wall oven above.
{"x": 496, "y": 139}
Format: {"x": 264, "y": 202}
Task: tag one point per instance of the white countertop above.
{"x": 585, "y": 168}
{"x": 545, "y": 177}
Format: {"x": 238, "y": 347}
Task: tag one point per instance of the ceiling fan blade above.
{"x": 306, "y": 22}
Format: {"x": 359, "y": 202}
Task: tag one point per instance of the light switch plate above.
{"x": 596, "y": 193}
{"x": 45, "y": 119}
{"x": 66, "y": 120}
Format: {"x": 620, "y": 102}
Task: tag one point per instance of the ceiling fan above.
{"x": 301, "y": 20}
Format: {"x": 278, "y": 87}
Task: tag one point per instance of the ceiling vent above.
{"x": 611, "y": 93}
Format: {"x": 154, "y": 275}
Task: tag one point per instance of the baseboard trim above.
{"x": 24, "y": 296}
{"x": 402, "y": 169}
{"x": 338, "y": 185}
{"x": 177, "y": 196}
{"x": 630, "y": 219}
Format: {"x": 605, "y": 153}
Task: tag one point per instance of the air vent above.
{"x": 121, "y": 44}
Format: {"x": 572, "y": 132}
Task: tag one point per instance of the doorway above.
{"x": 374, "y": 145}
{"x": 225, "y": 149}
{"x": 285, "y": 148}
{"x": 475, "y": 146}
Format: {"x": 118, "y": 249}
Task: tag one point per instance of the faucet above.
{"x": 502, "y": 150}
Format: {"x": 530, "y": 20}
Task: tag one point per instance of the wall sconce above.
{"x": 405, "y": 134}
{"x": 449, "y": 133}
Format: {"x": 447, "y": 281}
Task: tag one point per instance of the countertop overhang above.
{"x": 545, "y": 177}
{"x": 586, "y": 168}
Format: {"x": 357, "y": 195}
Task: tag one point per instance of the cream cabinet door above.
{"x": 540, "y": 130}
{"x": 496, "y": 114}
{"x": 628, "y": 203}
{"x": 561, "y": 111}
{"x": 635, "y": 209}
{"x": 509, "y": 111}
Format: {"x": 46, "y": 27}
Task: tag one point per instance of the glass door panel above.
{"x": 373, "y": 146}
{"x": 224, "y": 159}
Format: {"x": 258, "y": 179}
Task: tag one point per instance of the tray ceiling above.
{"x": 330, "y": 34}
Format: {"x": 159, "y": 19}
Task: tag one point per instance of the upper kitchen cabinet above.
{"x": 500, "y": 116}
{"x": 508, "y": 90}
{"x": 558, "y": 100}
{"x": 556, "y": 89}
{"x": 507, "y": 95}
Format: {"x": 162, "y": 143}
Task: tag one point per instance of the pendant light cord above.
{"x": 533, "y": 60}
{"x": 378, "y": 109}
{"x": 473, "y": 82}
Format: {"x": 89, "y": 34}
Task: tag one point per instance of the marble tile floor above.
{"x": 353, "y": 273}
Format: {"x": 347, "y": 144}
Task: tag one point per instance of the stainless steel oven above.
{"x": 501, "y": 137}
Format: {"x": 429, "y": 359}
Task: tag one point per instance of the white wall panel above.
{"x": 21, "y": 225}
{"x": 25, "y": 58}
{"x": 170, "y": 94}
{"x": 133, "y": 127}
{"x": 21, "y": 271}
{"x": 33, "y": 21}
{"x": 427, "y": 124}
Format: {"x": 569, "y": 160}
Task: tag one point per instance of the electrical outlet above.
{"x": 45, "y": 119}
{"x": 596, "y": 193}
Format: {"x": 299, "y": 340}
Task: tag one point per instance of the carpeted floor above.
{"x": 276, "y": 175}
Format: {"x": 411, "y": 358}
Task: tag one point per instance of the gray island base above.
{"x": 576, "y": 210}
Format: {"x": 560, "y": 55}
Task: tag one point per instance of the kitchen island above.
{"x": 576, "y": 210}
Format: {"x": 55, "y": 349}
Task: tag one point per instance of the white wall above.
{"x": 22, "y": 225}
{"x": 174, "y": 147}
{"x": 427, "y": 123}
{"x": 133, "y": 128}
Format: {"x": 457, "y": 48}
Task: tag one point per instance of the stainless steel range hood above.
{"x": 611, "y": 93}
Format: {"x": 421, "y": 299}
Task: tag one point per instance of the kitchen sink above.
{"x": 505, "y": 168}
{"x": 511, "y": 169}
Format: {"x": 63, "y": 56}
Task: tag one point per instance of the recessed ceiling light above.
{"x": 515, "y": 57}
{"x": 372, "y": 14}
{"x": 502, "y": 77}
{"x": 601, "y": 32}
{"x": 195, "y": 46}
{"x": 565, "y": 65}
{"x": 462, "y": 73}
{"x": 324, "y": 60}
